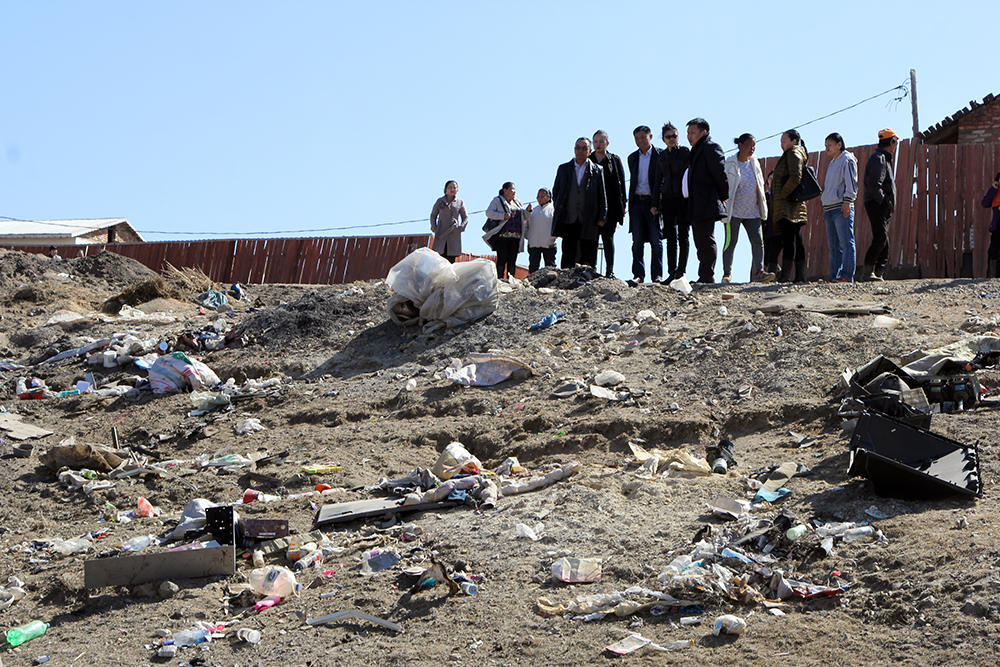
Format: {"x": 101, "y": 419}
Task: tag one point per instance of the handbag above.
{"x": 808, "y": 187}
{"x": 493, "y": 224}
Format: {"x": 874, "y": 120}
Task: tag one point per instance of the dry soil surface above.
{"x": 926, "y": 595}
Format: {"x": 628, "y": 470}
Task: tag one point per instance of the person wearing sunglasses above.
{"x": 880, "y": 202}
{"x": 673, "y": 206}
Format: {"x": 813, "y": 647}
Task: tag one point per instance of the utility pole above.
{"x": 913, "y": 100}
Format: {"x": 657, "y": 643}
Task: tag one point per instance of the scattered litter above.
{"x": 729, "y": 625}
{"x": 351, "y": 614}
{"x": 608, "y": 378}
{"x": 631, "y": 643}
{"x": 486, "y": 370}
{"x": 249, "y": 426}
{"x": 577, "y": 570}
{"x": 533, "y": 534}
{"x": 548, "y": 321}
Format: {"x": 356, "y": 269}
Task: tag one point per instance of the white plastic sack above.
{"x": 434, "y": 293}
{"x": 174, "y": 371}
{"x": 417, "y": 275}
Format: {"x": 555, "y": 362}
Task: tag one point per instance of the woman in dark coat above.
{"x": 790, "y": 217}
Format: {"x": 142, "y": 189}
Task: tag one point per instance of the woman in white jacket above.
{"x": 747, "y": 207}
{"x": 538, "y": 232}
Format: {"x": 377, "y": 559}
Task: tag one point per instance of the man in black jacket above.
{"x": 708, "y": 189}
{"x": 614, "y": 184}
{"x": 643, "y": 214}
{"x": 580, "y": 207}
{"x": 673, "y": 206}
{"x": 880, "y": 202}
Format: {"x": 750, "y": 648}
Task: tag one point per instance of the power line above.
{"x": 902, "y": 87}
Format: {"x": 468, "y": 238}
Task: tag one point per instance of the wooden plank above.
{"x": 902, "y": 250}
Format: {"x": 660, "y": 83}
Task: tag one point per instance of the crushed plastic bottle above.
{"x": 191, "y": 637}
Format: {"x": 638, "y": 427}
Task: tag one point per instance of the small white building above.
{"x": 67, "y": 232}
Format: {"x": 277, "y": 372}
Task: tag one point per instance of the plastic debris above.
{"x": 729, "y": 625}
{"x": 548, "y": 321}
{"x": 577, "y": 570}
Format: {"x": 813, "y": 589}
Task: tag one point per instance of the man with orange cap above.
{"x": 880, "y": 202}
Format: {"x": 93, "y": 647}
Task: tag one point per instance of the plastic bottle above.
{"x": 858, "y": 534}
{"x": 191, "y": 637}
{"x": 19, "y": 635}
{"x": 795, "y": 532}
{"x": 308, "y": 560}
{"x": 469, "y": 588}
{"x": 835, "y": 529}
{"x": 719, "y": 466}
{"x": 258, "y": 558}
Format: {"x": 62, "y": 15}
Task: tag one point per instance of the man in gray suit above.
{"x": 581, "y": 207}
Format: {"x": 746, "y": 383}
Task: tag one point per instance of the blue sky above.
{"x": 224, "y": 119}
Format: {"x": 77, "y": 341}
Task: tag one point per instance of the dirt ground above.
{"x": 927, "y": 595}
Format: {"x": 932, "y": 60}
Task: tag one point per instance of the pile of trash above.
{"x": 432, "y": 293}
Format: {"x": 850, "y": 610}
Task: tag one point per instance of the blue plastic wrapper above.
{"x": 549, "y": 320}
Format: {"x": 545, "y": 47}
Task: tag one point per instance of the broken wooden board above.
{"x": 142, "y": 569}
{"x": 19, "y": 431}
{"x": 783, "y": 303}
{"x": 362, "y": 509}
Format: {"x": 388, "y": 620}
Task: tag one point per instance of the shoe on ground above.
{"x": 843, "y": 280}
{"x": 764, "y": 277}
{"x": 635, "y": 282}
{"x": 877, "y": 278}
{"x": 727, "y": 279}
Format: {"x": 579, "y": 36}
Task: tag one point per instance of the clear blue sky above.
{"x": 221, "y": 119}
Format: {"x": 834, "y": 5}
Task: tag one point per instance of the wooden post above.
{"x": 913, "y": 100}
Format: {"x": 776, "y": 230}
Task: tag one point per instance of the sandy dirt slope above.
{"x": 926, "y": 595}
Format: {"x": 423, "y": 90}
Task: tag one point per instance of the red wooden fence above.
{"x": 938, "y": 216}
{"x": 308, "y": 261}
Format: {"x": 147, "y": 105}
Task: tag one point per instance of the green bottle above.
{"x": 19, "y": 635}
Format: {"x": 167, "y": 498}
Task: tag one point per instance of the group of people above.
{"x": 678, "y": 194}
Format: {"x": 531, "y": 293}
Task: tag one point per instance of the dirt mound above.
{"x": 117, "y": 270}
{"x": 371, "y": 397}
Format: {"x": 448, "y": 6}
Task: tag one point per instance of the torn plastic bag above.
{"x": 486, "y": 370}
{"x": 175, "y": 371}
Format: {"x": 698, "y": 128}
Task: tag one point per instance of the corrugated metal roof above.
{"x": 43, "y": 229}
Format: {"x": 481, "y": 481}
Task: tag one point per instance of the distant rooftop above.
{"x": 48, "y": 229}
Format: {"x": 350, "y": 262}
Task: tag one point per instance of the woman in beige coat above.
{"x": 448, "y": 221}
{"x": 790, "y": 217}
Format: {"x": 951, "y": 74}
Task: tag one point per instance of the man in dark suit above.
{"x": 614, "y": 186}
{"x": 643, "y": 215}
{"x": 708, "y": 188}
{"x": 581, "y": 207}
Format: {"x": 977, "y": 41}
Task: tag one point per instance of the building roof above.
{"x": 46, "y": 229}
{"x": 947, "y": 130}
